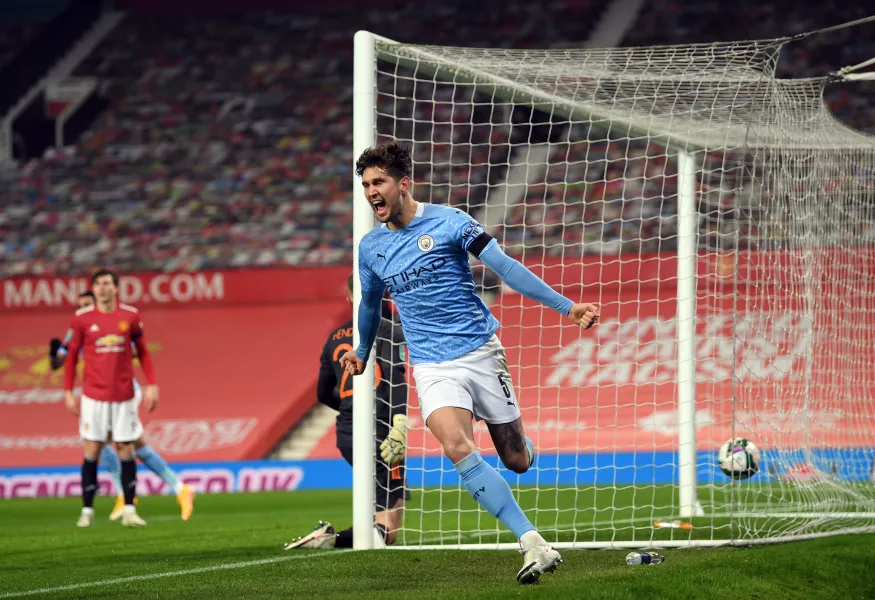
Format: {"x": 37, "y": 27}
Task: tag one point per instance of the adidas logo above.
{"x": 94, "y": 328}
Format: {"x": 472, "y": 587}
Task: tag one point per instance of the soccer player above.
{"x": 109, "y": 457}
{"x": 335, "y": 390}
{"x": 104, "y": 332}
{"x": 419, "y": 253}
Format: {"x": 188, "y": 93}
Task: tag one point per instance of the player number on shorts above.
{"x": 504, "y": 386}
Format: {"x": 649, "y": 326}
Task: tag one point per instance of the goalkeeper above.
{"x": 335, "y": 390}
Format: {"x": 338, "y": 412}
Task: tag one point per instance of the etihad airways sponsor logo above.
{"x": 414, "y": 273}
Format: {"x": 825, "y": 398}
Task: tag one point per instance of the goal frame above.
{"x": 682, "y": 144}
{"x": 364, "y": 425}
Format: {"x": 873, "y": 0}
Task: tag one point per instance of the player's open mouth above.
{"x": 380, "y": 207}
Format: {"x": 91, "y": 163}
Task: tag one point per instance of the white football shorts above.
{"x": 98, "y": 419}
{"x": 478, "y": 381}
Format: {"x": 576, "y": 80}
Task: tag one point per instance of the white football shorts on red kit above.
{"x": 99, "y": 419}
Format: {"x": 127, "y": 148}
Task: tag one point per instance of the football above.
{"x": 738, "y": 458}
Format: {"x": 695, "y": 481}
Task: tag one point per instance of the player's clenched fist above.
{"x": 352, "y": 364}
{"x": 584, "y": 314}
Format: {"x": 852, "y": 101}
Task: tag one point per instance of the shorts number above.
{"x": 504, "y": 387}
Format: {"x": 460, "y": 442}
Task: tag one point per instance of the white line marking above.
{"x": 238, "y": 565}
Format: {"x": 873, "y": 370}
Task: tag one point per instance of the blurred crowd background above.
{"x": 226, "y": 141}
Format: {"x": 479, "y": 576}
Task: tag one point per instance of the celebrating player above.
{"x": 335, "y": 390}
{"x": 104, "y": 333}
{"x": 420, "y": 254}
{"x": 109, "y": 457}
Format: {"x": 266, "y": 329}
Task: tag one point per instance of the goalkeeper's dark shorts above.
{"x": 390, "y": 484}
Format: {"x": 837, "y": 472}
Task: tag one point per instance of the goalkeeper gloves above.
{"x": 394, "y": 447}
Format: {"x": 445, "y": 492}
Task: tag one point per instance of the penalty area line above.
{"x": 194, "y": 571}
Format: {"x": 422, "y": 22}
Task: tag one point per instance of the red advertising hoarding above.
{"x": 613, "y": 387}
{"x": 236, "y": 370}
{"x": 237, "y": 356}
{"x": 200, "y": 289}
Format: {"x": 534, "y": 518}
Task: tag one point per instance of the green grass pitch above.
{"x": 232, "y": 548}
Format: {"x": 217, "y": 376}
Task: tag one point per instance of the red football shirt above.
{"x": 105, "y": 341}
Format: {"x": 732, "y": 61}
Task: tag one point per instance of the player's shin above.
{"x": 492, "y": 492}
{"x": 89, "y": 481}
{"x": 156, "y": 464}
{"x": 129, "y": 479}
{"x": 109, "y": 461}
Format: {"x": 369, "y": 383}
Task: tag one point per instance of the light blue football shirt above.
{"x": 425, "y": 269}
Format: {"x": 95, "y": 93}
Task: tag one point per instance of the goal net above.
{"x": 723, "y": 221}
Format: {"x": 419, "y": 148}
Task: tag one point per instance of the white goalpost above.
{"x": 723, "y": 220}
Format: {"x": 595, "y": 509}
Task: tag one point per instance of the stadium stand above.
{"x": 629, "y": 201}
{"x": 226, "y": 143}
{"x": 13, "y": 36}
{"x": 48, "y": 44}
{"x": 676, "y": 22}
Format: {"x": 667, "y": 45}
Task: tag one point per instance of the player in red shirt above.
{"x": 142, "y": 450}
{"x": 104, "y": 333}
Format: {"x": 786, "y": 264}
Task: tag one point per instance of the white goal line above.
{"x": 150, "y": 576}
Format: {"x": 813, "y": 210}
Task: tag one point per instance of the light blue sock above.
{"x": 156, "y": 464}
{"x": 491, "y": 491}
{"x": 109, "y": 460}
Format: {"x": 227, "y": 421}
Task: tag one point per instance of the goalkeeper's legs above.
{"x": 391, "y": 492}
{"x": 389, "y": 498}
{"x": 390, "y": 520}
{"x": 386, "y": 525}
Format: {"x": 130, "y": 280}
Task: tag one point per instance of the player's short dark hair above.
{"x": 88, "y": 294}
{"x": 392, "y": 157}
{"x": 102, "y": 272}
{"x": 349, "y": 283}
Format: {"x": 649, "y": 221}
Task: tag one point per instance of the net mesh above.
{"x": 569, "y": 158}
